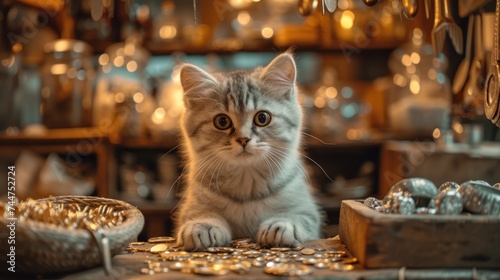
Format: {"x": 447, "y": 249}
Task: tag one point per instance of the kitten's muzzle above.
{"x": 243, "y": 141}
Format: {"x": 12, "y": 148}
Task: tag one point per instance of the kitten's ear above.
{"x": 280, "y": 75}
{"x": 195, "y": 83}
{"x": 195, "y": 78}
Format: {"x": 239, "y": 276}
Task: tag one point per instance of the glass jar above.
{"x": 419, "y": 99}
{"x": 123, "y": 99}
{"x": 66, "y": 95}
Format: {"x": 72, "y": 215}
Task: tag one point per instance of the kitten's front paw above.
{"x": 280, "y": 232}
{"x": 198, "y": 236}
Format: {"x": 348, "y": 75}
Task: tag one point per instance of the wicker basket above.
{"x": 42, "y": 248}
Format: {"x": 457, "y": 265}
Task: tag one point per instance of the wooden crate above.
{"x": 382, "y": 240}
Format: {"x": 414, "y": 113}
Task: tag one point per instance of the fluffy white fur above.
{"x": 259, "y": 190}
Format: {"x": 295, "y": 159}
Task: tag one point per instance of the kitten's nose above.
{"x": 243, "y": 141}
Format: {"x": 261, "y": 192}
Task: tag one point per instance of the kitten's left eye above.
{"x": 262, "y": 118}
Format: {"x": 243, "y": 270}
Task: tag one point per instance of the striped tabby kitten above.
{"x": 246, "y": 179}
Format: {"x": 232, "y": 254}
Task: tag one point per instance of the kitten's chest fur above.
{"x": 244, "y": 183}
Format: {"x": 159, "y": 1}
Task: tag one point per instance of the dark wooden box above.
{"x": 382, "y": 240}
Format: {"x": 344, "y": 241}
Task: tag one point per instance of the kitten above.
{"x": 245, "y": 176}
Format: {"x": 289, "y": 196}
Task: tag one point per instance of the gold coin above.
{"x": 310, "y": 261}
{"x": 240, "y": 268}
{"x": 158, "y": 248}
{"x": 146, "y": 270}
{"x": 322, "y": 265}
{"x": 162, "y": 239}
{"x": 298, "y": 248}
{"x": 251, "y": 254}
{"x": 240, "y": 241}
{"x": 135, "y": 244}
{"x": 280, "y": 249}
{"x": 350, "y": 261}
{"x": 341, "y": 267}
{"x": 215, "y": 269}
{"x": 175, "y": 256}
{"x": 224, "y": 249}
{"x": 181, "y": 265}
{"x": 308, "y": 251}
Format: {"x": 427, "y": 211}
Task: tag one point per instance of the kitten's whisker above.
{"x": 269, "y": 166}
{"x": 198, "y": 161}
{"x": 317, "y": 139}
{"x": 221, "y": 160}
{"x": 294, "y": 161}
{"x": 169, "y": 151}
{"x": 218, "y": 173}
{"x": 212, "y": 161}
{"x": 276, "y": 162}
{"x": 315, "y": 163}
{"x": 177, "y": 180}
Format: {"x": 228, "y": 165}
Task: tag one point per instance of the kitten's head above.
{"x": 242, "y": 116}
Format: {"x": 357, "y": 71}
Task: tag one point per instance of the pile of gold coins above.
{"x": 240, "y": 258}
{"x": 69, "y": 215}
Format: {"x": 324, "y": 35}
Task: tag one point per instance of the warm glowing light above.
{"x": 118, "y": 61}
{"x": 244, "y": 18}
{"x": 238, "y": 4}
{"x": 343, "y": 4}
{"x": 159, "y": 113}
{"x": 436, "y": 133}
{"x": 58, "y": 69}
{"x": 131, "y": 66}
{"x": 267, "y": 32}
{"x": 138, "y": 97}
{"x": 415, "y": 86}
{"x": 104, "y": 59}
{"x": 354, "y": 134}
{"x": 347, "y": 20}
{"x": 415, "y": 58}
{"x": 399, "y": 80}
{"x": 129, "y": 49}
{"x": 17, "y": 48}
{"x": 331, "y": 92}
{"x": 319, "y": 102}
{"x": 458, "y": 128}
{"x": 167, "y": 32}
{"x": 406, "y": 60}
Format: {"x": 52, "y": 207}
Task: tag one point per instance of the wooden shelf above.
{"x": 77, "y": 142}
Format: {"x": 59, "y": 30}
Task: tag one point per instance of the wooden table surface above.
{"x": 128, "y": 266}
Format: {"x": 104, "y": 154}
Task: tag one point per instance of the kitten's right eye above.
{"x": 222, "y": 122}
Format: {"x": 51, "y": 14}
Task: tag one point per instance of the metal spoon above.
{"x": 473, "y": 87}
{"x": 410, "y": 8}
{"x": 463, "y": 68}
